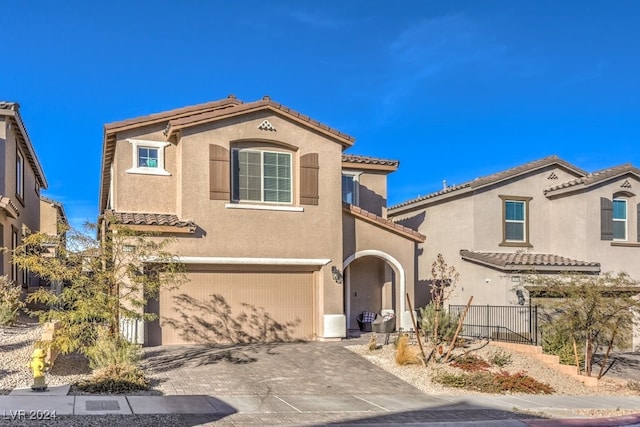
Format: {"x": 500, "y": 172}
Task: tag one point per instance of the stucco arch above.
{"x": 395, "y": 265}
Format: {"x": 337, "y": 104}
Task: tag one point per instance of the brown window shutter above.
{"x": 606, "y": 219}
{"x": 309, "y": 179}
{"x": 219, "y": 173}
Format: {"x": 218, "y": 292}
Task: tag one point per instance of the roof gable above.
{"x": 11, "y": 109}
{"x": 488, "y": 180}
{"x": 592, "y": 179}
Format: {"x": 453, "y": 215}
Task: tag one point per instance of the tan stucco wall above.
{"x": 372, "y": 190}
{"x": 29, "y": 207}
{"x": 315, "y": 233}
{"x": 138, "y": 192}
{"x": 48, "y": 218}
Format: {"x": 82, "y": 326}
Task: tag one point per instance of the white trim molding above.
{"x": 405, "y": 321}
{"x": 264, "y": 207}
{"x": 137, "y": 143}
{"x": 247, "y": 261}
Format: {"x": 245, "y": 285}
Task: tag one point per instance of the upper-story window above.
{"x": 262, "y": 176}
{"x": 19, "y": 175}
{"x": 148, "y": 157}
{"x": 350, "y": 188}
{"x": 515, "y": 213}
{"x": 619, "y": 219}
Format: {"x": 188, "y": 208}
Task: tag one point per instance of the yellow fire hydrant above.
{"x": 38, "y": 365}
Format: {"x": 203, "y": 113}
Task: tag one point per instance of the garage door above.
{"x": 237, "y": 306}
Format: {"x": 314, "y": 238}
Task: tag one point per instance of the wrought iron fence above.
{"x": 514, "y": 323}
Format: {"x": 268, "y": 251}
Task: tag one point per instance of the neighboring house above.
{"x": 21, "y": 180}
{"x": 547, "y": 216}
{"x": 53, "y": 221}
{"x": 253, "y": 193}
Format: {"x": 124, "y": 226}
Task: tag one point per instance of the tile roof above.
{"x": 137, "y": 218}
{"x": 370, "y": 161}
{"x": 265, "y": 103}
{"x": 496, "y": 177}
{"x": 525, "y": 261}
{"x": 12, "y": 109}
{"x": 384, "y": 222}
{"x": 595, "y": 177}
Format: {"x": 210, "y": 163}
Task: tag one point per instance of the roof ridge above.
{"x": 494, "y": 177}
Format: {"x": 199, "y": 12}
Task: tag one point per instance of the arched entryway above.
{"x": 368, "y": 263}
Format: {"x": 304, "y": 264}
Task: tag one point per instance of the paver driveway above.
{"x": 308, "y": 368}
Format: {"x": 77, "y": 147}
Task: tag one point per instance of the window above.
{"x": 515, "y": 221}
{"x": 619, "y": 219}
{"x": 350, "y": 188}
{"x": 19, "y": 175}
{"x": 261, "y": 176}
{"x": 148, "y": 157}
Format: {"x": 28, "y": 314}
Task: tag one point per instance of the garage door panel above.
{"x": 238, "y": 307}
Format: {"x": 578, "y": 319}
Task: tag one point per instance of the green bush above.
{"x": 115, "y": 364}
{"x": 447, "y": 323}
{"x": 109, "y": 350}
{"x": 556, "y": 340}
{"x": 10, "y": 302}
{"x": 500, "y": 358}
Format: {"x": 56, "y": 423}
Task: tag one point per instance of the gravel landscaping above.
{"x": 16, "y": 347}
{"x": 421, "y": 377}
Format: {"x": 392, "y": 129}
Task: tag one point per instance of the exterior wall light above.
{"x": 337, "y": 275}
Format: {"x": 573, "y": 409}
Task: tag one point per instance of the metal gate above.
{"x": 513, "y": 323}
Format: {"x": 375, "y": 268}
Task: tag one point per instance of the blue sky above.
{"x": 452, "y": 89}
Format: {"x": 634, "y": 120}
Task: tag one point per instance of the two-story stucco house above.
{"x": 546, "y": 216}
{"x": 21, "y": 179}
{"x": 283, "y": 236}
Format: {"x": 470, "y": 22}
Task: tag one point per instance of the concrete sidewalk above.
{"x": 361, "y": 409}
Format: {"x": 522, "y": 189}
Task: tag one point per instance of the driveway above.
{"x": 306, "y": 368}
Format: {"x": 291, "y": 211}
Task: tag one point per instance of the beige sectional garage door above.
{"x": 238, "y": 306}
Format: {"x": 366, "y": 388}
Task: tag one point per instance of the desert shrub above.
{"x": 110, "y": 350}
{"x": 118, "y": 378}
{"x": 500, "y": 358}
{"x": 634, "y": 386}
{"x": 470, "y": 363}
{"x": 373, "y": 342}
{"x": 488, "y": 382}
{"x": 10, "y": 302}
{"x": 520, "y": 382}
{"x": 407, "y": 354}
{"x": 447, "y": 323}
{"x": 450, "y": 379}
{"x": 114, "y": 361}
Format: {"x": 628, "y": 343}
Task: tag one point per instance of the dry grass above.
{"x": 407, "y": 354}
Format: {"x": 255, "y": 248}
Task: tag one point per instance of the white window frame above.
{"x": 234, "y": 184}
{"x": 19, "y": 175}
{"x": 517, "y": 221}
{"x": 355, "y": 176}
{"x": 160, "y": 146}
{"x": 625, "y": 220}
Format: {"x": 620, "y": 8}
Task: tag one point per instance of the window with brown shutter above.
{"x": 309, "y": 169}
{"x": 219, "y": 173}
